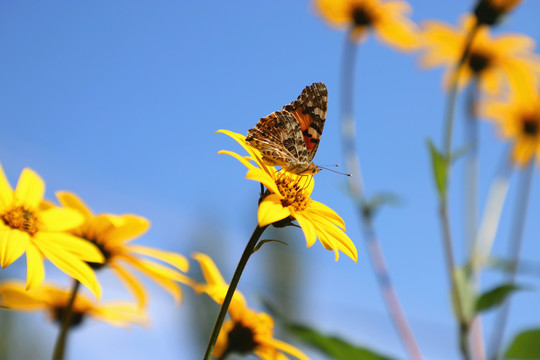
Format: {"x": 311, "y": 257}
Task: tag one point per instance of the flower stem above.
{"x": 232, "y": 287}
{"x": 352, "y": 163}
{"x": 60, "y": 345}
{"x": 443, "y": 199}
{"x": 470, "y": 201}
{"x": 514, "y": 250}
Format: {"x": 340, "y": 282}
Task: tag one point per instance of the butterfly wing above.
{"x": 310, "y": 112}
{"x": 279, "y": 138}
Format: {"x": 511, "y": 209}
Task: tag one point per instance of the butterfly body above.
{"x": 290, "y": 137}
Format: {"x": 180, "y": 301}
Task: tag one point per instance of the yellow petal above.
{"x": 284, "y": 347}
{"x": 133, "y": 284}
{"x": 13, "y": 243}
{"x": 325, "y": 211}
{"x": 262, "y": 177}
{"x": 162, "y": 275}
{"x": 399, "y": 32}
{"x": 171, "y": 258}
{"x": 271, "y": 210}
{"x": 240, "y": 158}
{"x": 119, "y": 314}
{"x": 70, "y": 200}
{"x": 60, "y": 219}
{"x": 71, "y": 265}
{"x": 83, "y": 249}
{"x": 166, "y": 283}
{"x": 307, "y": 228}
{"x": 30, "y": 188}
{"x": 133, "y": 227}
{"x": 211, "y": 274}
{"x": 14, "y": 296}
{"x": 333, "y": 237}
{"x": 35, "y": 271}
{"x": 6, "y": 193}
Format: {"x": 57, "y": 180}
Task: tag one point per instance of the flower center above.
{"x": 241, "y": 339}
{"x": 362, "y": 16}
{"x": 76, "y": 317}
{"x": 531, "y": 126}
{"x": 106, "y": 254}
{"x": 293, "y": 193}
{"x": 21, "y": 218}
{"x": 478, "y": 62}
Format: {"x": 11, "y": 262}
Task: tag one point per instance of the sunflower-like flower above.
{"x": 496, "y": 62}
{"x": 488, "y": 12}
{"x": 519, "y": 121}
{"x": 112, "y": 235}
{"x": 288, "y": 197}
{"x": 54, "y": 300}
{"x": 247, "y": 331}
{"x": 27, "y": 227}
{"x": 388, "y": 20}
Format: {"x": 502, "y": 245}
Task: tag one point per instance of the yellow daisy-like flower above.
{"x": 247, "y": 331}
{"x": 26, "y": 227}
{"x": 112, "y": 234}
{"x": 488, "y": 12}
{"x": 54, "y": 301}
{"x": 519, "y": 121}
{"x": 288, "y": 197}
{"x": 496, "y": 62}
{"x": 388, "y": 20}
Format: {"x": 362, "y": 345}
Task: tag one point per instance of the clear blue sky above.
{"x": 119, "y": 102}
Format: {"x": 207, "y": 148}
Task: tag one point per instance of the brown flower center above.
{"x": 362, "y": 16}
{"x": 478, "y": 62}
{"x": 76, "y": 316}
{"x": 106, "y": 254}
{"x": 293, "y": 192}
{"x": 531, "y": 126}
{"x": 241, "y": 339}
{"x": 21, "y": 218}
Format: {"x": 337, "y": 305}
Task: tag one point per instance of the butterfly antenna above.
{"x": 326, "y": 167}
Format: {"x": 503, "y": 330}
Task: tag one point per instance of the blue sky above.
{"x": 119, "y": 102}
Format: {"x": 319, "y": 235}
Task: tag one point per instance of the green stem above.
{"x": 352, "y": 163}
{"x": 60, "y": 345}
{"x": 443, "y": 199}
{"x": 232, "y": 287}
{"x": 514, "y": 249}
{"x": 470, "y": 201}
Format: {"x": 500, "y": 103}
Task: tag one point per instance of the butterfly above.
{"x": 290, "y": 137}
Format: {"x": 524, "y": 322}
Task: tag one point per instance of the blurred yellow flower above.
{"x": 247, "y": 331}
{"x": 54, "y": 300}
{"x": 388, "y": 20}
{"x": 26, "y": 227}
{"x": 519, "y": 121}
{"x": 496, "y": 62}
{"x": 488, "y": 12}
{"x": 112, "y": 234}
{"x": 288, "y": 197}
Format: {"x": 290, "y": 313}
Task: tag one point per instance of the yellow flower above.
{"x": 112, "y": 234}
{"x": 288, "y": 196}
{"x": 488, "y": 12}
{"x": 505, "y": 60}
{"x": 54, "y": 300}
{"x": 519, "y": 121}
{"x": 388, "y": 20}
{"x": 27, "y": 227}
{"x": 247, "y": 331}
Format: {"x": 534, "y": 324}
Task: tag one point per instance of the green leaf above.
{"x": 370, "y": 206}
{"x": 467, "y": 297}
{"x": 439, "y": 164}
{"x": 333, "y": 346}
{"x": 495, "y": 296}
{"x": 525, "y": 345}
{"x": 262, "y": 242}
